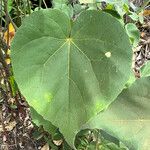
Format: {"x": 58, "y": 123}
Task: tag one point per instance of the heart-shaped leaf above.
{"x": 128, "y": 118}
{"x": 68, "y": 72}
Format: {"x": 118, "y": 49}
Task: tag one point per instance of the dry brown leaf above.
{"x": 9, "y": 126}
{"x": 58, "y": 142}
{"x": 9, "y": 34}
{"x": 146, "y": 13}
{"x": 11, "y": 100}
{"x": 143, "y": 34}
{"x": 137, "y": 48}
{"x": 7, "y": 60}
{"x": 45, "y": 147}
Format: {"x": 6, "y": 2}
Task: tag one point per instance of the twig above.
{"x": 8, "y": 17}
{"x": 45, "y": 4}
{"x": 40, "y": 4}
{"x": 18, "y": 12}
{"x": 29, "y": 7}
{"x": 5, "y": 66}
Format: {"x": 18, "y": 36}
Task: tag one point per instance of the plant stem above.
{"x": 29, "y": 7}
{"x": 8, "y": 17}
{"x": 45, "y": 4}
{"x": 40, "y": 3}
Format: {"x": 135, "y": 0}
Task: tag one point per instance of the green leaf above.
{"x": 133, "y": 33}
{"x": 134, "y": 16}
{"x": 111, "y": 146}
{"x": 113, "y": 13}
{"x": 70, "y": 73}
{"x": 92, "y": 6}
{"x": 67, "y": 9}
{"x": 97, "y": 140}
{"x": 64, "y": 6}
{"x": 141, "y": 17}
{"x": 9, "y": 6}
{"x": 128, "y": 117}
{"x": 10, "y": 3}
{"x": 59, "y": 3}
{"x": 145, "y": 70}
{"x": 77, "y": 8}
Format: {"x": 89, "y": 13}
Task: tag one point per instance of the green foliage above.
{"x": 121, "y": 6}
{"x": 97, "y": 140}
{"x": 64, "y": 6}
{"x": 70, "y": 72}
{"x": 10, "y": 2}
{"x": 113, "y": 13}
{"x": 133, "y": 33}
{"x": 77, "y": 8}
{"x": 9, "y": 5}
{"x": 128, "y": 117}
{"x": 145, "y": 70}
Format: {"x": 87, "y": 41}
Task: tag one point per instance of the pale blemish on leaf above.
{"x": 48, "y": 97}
{"x": 108, "y": 54}
{"x": 99, "y": 105}
{"x": 69, "y": 39}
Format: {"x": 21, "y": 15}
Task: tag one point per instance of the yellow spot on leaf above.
{"x": 69, "y": 39}
{"x": 99, "y": 106}
{"x": 108, "y": 54}
{"x": 48, "y": 97}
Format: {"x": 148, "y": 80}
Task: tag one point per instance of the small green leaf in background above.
{"x": 64, "y": 6}
{"x": 9, "y": 5}
{"x": 128, "y": 117}
{"x": 77, "y": 8}
{"x": 10, "y": 2}
{"x": 145, "y": 70}
{"x": 134, "y": 16}
{"x": 97, "y": 140}
{"x": 141, "y": 18}
{"x": 121, "y": 6}
{"x": 92, "y": 6}
{"x": 137, "y": 17}
{"x": 133, "y": 33}
{"x": 70, "y": 72}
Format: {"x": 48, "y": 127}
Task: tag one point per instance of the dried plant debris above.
{"x": 16, "y": 127}
{"x": 17, "y": 132}
{"x": 142, "y": 52}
